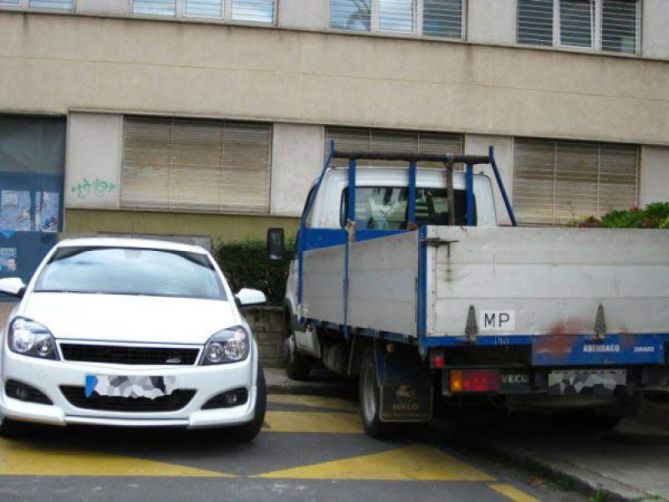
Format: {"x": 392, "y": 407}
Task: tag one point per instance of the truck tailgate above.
{"x": 538, "y": 281}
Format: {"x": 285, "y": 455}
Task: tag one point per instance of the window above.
{"x": 386, "y": 208}
{"x": 259, "y": 11}
{"x": 431, "y": 18}
{"x": 607, "y": 25}
{"x": 195, "y": 165}
{"x": 131, "y": 271}
{"x": 556, "y": 182}
{"x": 52, "y": 4}
{"x": 390, "y": 140}
{"x": 155, "y": 7}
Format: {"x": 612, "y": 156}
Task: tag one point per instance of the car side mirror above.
{"x": 13, "y": 286}
{"x": 247, "y": 297}
{"x": 276, "y": 246}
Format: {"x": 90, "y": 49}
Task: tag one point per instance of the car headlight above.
{"x": 230, "y": 345}
{"x": 30, "y": 338}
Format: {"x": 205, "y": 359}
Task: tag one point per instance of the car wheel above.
{"x": 250, "y": 430}
{"x": 298, "y": 366}
{"x": 369, "y": 393}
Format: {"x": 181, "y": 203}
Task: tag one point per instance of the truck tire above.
{"x": 247, "y": 432}
{"x": 298, "y": 366}
{"x": 369, "y": 393}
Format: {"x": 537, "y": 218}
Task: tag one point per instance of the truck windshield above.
{"x": 386, "y": 208}
{"x": 131, "y": 271}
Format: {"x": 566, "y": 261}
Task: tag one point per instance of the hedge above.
{"x": 655, "y": 215}
{"x": 246, "y": 264}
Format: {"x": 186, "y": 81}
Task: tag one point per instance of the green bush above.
{"x": 655, "y": 215}
{"x": 246, "y": 264}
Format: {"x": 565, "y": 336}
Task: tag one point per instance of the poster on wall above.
{"x": 15, "y": 210}
{"x": 47, "y": 205}
{"x": 7, "y": 260}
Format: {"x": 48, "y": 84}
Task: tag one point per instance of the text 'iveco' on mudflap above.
{"x": 402, "y": 278}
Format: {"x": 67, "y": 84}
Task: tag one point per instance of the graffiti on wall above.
{"x": 99, "y": 187}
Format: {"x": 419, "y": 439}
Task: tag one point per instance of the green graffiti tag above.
{"x": 99, "y": 187}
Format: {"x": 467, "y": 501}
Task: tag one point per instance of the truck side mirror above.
{"x": 275, "y": 244}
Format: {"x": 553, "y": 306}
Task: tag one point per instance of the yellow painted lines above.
{"x": 313, "y": 422}
{"x": 417, "y": 462}
{"x": 329, "y": 403}
{"x": 512, "y": 493}
{"x": 18, "y": 458}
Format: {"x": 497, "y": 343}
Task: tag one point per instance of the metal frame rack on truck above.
{"x": 448, "y": 307}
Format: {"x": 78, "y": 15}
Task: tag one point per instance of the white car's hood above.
{"x": 99, "y": 317}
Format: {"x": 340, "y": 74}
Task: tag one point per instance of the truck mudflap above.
{"x": 610, "y": 350}
{"x": 405, "y": 393}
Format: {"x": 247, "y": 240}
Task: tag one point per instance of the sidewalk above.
{"x": 630, "y": 463}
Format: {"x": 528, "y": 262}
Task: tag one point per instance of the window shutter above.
{"x": 259, "y": 11}
{"x": 52, "y": 4}
{"x": 535, "y": 22}
{"x": 619, "y": 25}
{"x": 155, "y": 7}
{"x": 204, "y": 8}
{"x": 396, "y": 15}
{"x": 443, "y": 18}
{"x": 556, "y": 182}
{"x": 351, "y": 14}
{"x": 383, "y": 140}
{"x": 195, "y": 165}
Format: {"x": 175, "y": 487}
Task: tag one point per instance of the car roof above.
{"x": 128, "y": 242}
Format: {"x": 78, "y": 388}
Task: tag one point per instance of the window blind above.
{"x": 396, "y": 15}
{"x": 576, "y": 22}
{"x": 443, "y": 18}
{"x": 52, "y": 4}
{"x": 204, "y": 8}
{"x": 195, "y": 165}
{"x": 155, "y": 7}
{"x": 620, "y": 25}
{"x": 259, "y": 11}
{"x": 556, "y": 182}
{"x": 535, "y": 22}
{"x": 384, "y": 140}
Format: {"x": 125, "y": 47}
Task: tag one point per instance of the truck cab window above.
{"x": 386, "y": 208}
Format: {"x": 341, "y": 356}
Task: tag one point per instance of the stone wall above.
{"x": 268, "y": 326}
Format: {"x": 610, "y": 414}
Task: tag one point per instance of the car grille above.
{"x": 175, "y": 401}
{"x": 124, "y": 354}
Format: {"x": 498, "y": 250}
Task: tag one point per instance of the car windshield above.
{"x": 131, "y": 271}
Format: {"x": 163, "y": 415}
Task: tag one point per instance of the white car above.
{"x": 126, "y": 332}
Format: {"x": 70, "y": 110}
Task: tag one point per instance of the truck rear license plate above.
{"x": 595, "y": 382}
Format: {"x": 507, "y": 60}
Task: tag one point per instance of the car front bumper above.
{"x": 206, "y": 381}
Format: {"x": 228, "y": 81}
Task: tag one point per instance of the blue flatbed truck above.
{"x": 403, "y": 279}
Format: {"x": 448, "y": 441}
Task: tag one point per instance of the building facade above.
{"x": 211, "y": 117}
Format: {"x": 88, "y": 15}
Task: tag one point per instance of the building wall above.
{"x": 654, "y": 182}
{"x": 325, "y": 78}
{"x": 654, "y": 29}
{"x": 491, "y": 21}
{"x": 221, "y": 227}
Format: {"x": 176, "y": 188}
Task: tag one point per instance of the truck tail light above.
{"x": 475, "y": 381}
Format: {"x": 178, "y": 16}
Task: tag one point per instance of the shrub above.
{"x": 246, "y": 264}
{"x": 655, "y": 215}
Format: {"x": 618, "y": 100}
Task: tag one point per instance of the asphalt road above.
{"x": 312, "y": 448}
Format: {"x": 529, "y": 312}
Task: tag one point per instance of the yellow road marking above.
{"x": 23, "y": 459}
{"x": 418, "y": 462}
{"x": 513, "y": 493}
{"x": 329, "y": 403}
{"x": 313, "y": 421}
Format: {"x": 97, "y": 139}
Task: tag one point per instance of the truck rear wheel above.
{"x": 298, "y": 366}
{"x": 369, "y": 392}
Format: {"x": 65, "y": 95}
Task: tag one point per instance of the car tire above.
{"x": 10, "y": 429}
{"x": 249, "y": 431}
{"x": 369, "y": 394}
{"x": 298, "y": 366}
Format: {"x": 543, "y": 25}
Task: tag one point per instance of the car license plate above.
{"x": 149, "y": 387}
{"x": 596, "y": 382}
